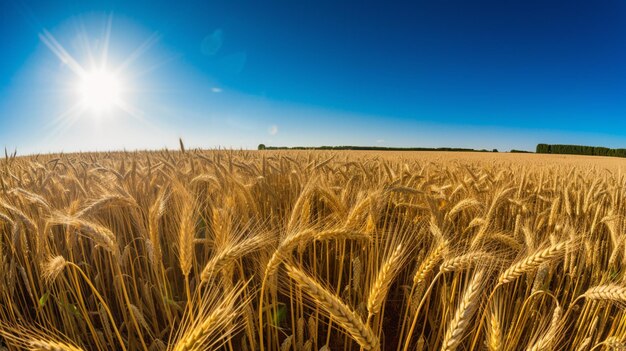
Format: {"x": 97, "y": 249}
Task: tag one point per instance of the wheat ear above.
{"x": 340, "y": 313}
{"x": 532, "y": 262}
{"x": 429, "y": 263}
{"x": 98, "y": 233}
{"x": 51, "y": 345}
{"x": 185, "y": 237}
{"x": 306, "y": 236}
{"x": 230, "y": 253}
{"x": 613, "y": 293}
{"x": 547, "y": 340}
{"x": 214, "y": 322}
{"x": 466, "y": 261}
{"x": 464, "y": 312}
{"x": 105, "y": 202}
{"x": 385, "y": 276}
{"x": 52, "y": 268}
{"x": 495, "y": 332}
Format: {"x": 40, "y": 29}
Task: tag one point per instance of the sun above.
{"x": 99, "y": 90}
{"x": 99, "y": 86}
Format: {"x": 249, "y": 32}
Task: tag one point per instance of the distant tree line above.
{"x": 376, "y": 148}
{"x": 579, "y": 150}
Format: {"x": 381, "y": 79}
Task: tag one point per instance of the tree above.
{"x": 579, "y": 150}
{"x": 543, "y": 149}
{"x": 261, "y": 147}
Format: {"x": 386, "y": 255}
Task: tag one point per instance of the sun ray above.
{"x": 61, "y": 53}
{"x": 106, "y": 41}
{"x": 64, "y": 121}
{"x": 83, "y": 40}
{"x": 132, "y": 111}
{"x": 148, "y": 69}
{"x": 141, "y": 49}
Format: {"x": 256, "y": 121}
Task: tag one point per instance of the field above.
{"x": 302, "y": 250}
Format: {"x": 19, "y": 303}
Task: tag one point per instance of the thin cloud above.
{"x": 216, "y": 90}
{"x": 380, "y": 141}
{"x": 273, "y": 130}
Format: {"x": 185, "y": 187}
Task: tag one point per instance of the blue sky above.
{"x": 478, "y": 74}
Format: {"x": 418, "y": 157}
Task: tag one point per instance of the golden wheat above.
{"x": 183, "y": 250}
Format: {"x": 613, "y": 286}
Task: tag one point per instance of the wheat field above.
{"x": 310, "y": 250}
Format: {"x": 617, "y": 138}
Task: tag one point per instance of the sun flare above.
{"x": 99, "y": 90}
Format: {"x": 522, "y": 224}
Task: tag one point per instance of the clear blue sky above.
{"x": 478, "y": 74}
